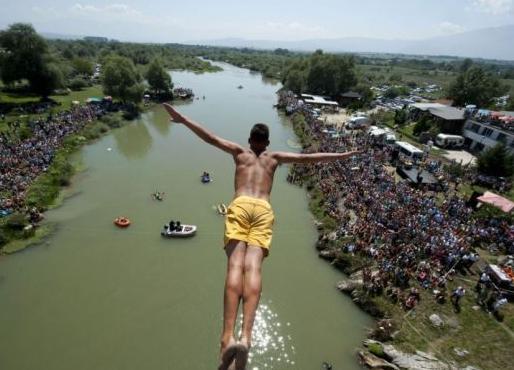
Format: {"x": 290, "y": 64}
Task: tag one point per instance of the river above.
{"x": 97, "y": 297}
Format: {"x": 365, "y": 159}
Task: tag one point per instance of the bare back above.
{"x": 254, "y": 174}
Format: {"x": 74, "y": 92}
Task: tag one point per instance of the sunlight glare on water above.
{"x": 272, "y": 343}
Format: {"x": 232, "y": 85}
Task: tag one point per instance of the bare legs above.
{"x": 251, "y": 290}
{"x": 243, "y": 281}
{"x": 236, "y": 251}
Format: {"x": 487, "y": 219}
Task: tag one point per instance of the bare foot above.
{"x": 229, "y": 350}
{"x": 242, "y": 354}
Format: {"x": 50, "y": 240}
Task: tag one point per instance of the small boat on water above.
{"x": 222, "y": 209}
{"x": 122, "y": 221}
{"x": 182, "y": 231}
{"x": 205, "y": 178}
{"x": 240, "y": 87}
{"x": 158, "y": 195}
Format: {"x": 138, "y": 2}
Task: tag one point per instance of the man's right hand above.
{"x": 175, "y": 115}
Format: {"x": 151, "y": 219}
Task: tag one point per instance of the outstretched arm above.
{"x": 203, "y": 133}
{"x": 287, "y": 157}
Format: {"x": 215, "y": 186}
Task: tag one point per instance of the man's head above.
{"x": 259, "y": 137}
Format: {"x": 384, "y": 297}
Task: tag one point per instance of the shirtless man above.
{"x": 248, "y": 227}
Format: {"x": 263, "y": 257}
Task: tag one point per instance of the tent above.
{"x": 497, "y": 200}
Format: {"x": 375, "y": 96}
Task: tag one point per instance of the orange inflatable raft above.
{"x": 121, "y": 221}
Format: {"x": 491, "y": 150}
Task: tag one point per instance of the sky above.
{"x": 183, "y": 21}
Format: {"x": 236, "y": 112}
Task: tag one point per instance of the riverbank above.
{"x": 448, "y": 340}
{"x": 23, "y": 228}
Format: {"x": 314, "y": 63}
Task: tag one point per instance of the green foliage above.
{"x": 3, "y": 238}
{"x": 17, "y": 221}
{"x": 121, "y": 80}
{"x": 496, "y": 161}
{"x": 400, "y": 117}
{"x": 47, "y": 80}
{"x": 320, "y": 73}
{"x": 158, "y": 78}
{"x": 24, "y": 52}
{"x": 78, "y": 83}
{"x": 475, "y": 86}
{"x": 489, "y": 212}
{"x": 423, "y": 125}
{"x": 26, "y": 57}
{"x": 394, "y": 92}
{"x": 454, "y": 169}
{"x": 82, "y": 66}
{"x": 366, "y": 96}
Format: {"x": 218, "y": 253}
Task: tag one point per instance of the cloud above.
{"x": 495, "y": 7}
{"x": 109, "y": 13}
{"x": 447, "y": 28}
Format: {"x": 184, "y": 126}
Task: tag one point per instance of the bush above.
{"x": 3, "y": 238}
{"x": 496, "y": 161}
{"x": 112, "y": 121}
{"x": 78, "y": 84}
{"x": 17, "y": 221}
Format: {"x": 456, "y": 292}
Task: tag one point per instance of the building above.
{"x": 450, "y": 119}
{"x": 348, "y": 98}
{"x": 482, "y": 132}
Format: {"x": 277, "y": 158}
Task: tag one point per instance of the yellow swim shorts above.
{"x": 250, "y": 220}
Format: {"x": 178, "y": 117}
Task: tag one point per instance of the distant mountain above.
{"x": 487, "y": 43}
{"x": 60, "y": 36}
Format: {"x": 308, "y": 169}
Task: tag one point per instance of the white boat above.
{"x": 185, "y": 231}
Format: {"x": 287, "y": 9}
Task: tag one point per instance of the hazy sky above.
{"x": 179, "y": 21}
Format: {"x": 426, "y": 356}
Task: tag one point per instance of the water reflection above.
{"x": 272, "y": 344}
{"x": 160, "y": 120}
{"x": 134, "y": 141}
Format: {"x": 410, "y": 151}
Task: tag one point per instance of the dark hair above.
{"x": 259, "y": 133}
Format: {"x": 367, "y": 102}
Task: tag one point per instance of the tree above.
{"x": 496, "y": 161}
{"x": 423, "y": 125}
{"x": 157, "y": 77}
{"x": 475, "y": 86}
{"x": 121, "y": 80}
{"x": 465, "y": 65}
{"x": 47, "y": 80}
{"x": 82, "y": 66}
{"x": 24, "y": 52}
{"x": 26, "y": 57}
{"x": 400, "y": 117}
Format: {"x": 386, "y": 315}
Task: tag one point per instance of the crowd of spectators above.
{"x": 23, "y": 159}
{"x": 415, "y": 237}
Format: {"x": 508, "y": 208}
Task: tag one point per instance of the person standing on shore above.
{"x": 248, "y": 227}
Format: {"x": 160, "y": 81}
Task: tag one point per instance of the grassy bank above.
{"x": 15, "y": 232}
{"x": 470, "y": 337}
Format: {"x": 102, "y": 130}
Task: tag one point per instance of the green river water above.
{"x": 97, "y": 297}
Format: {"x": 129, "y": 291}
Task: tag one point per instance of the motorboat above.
{"x": 182, "y": 231}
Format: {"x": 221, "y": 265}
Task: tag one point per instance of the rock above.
{"x": 460, "y": 352}
{"x": 327, "y": 254}
{"x": 348, "y": 286}
{"x": 452, "y": 322}
{"x": 476, "y": 308}
{"x": 375, "y": 362}
{"x": 436, "y": 320}
{"x": 332, "y": 236}
{"x": 418, "y": 361}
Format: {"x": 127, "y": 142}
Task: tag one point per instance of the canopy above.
{"x": 497, "y": 200}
